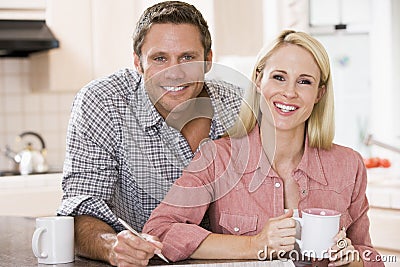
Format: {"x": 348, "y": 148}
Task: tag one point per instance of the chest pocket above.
{"x": 238, "y": 224}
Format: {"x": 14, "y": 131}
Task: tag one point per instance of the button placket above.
{"x": 277, "y": 186}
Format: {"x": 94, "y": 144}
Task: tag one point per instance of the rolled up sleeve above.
{"x": 178, "y": 226}
{"x": 176, "y": 221}
{"x": 90, "y": 169}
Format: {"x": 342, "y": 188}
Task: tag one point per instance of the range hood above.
{"x": 19, "y": 38}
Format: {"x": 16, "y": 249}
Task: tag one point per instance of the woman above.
{"x": 278, "y": 156}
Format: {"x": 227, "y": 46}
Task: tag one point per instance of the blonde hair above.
{"x": 321, "y": 123}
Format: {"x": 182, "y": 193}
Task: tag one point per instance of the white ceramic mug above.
{"x": 53, "y": 240}
{"x": 318, "y": 228}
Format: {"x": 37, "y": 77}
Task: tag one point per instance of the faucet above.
{"x": 369, "y": 140}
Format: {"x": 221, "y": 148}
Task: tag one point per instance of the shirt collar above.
{"x": 149, "y": 118}
{"x": 249, "y": 158}
{"x": 311, "y": 164}
{"x": 217, "y": 128}
{"x": 225, "y": 100}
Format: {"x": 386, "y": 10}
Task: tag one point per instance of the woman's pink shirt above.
{"x": 230, "y": 179}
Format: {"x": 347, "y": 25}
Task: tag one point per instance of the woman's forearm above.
{"x": 220, "y": 246}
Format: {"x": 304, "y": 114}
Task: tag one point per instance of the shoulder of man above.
{"x": 224, "y": 88}
{"x": 122, "y": 82}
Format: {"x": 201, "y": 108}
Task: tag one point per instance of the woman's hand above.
{"x": 277, "y": 236}
{"x": 342, "y": 252}
{"x": 130, "y": 250}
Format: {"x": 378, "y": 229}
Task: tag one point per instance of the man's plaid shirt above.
{"x": 121, "y": 156}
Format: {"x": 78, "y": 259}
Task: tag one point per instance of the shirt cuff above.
{"x": 88, "y": 205}
{"x": 69, "y": 206}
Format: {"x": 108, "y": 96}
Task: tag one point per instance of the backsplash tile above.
{"x": 21, "y": 109}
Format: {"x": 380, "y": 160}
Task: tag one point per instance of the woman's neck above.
{"x": 288, "y": 148}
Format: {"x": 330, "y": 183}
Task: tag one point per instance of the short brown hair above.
{"x": 171, "y": 12}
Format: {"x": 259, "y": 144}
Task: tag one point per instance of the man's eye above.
{"x": 160, "y": 59}
{"x": 278, "y": 77}
{"x": 187, "y": 58}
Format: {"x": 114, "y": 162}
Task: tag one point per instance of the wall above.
{"x": 385, "y": 67}
{"x": 22, "y": 110}
{"x": 236, "y": 25}
{"x": 396, "y": 63}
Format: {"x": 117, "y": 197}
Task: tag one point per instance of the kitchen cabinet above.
{"x": 22, "y": 9}
{"x": 95, "y": 40}
{"x": 383, "y": 192}
{"x": 112, "y": 28}
{"x": 30, "y": 195}
{"x": 384, "y": 228}
{"x": 68, "y": 67}
{"x": 340, "y": 12}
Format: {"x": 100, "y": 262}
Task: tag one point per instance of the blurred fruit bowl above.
{"x": 376, "y": 162}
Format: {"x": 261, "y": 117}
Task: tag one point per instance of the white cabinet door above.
{"x": 384, "y": 228}
{"x": 70, "y": 66}
{"x": 95, "y": 40}
{"x": 30, "y": 195}
{"x": 333, "y": 12}
{"x": 22, "y": 9}
{"x": 113, "y": 25}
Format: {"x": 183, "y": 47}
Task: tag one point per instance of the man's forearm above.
{"x": 94, "y": 238}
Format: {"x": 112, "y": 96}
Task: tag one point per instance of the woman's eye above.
{"x": 304, "y": 82}
{"x": 278, "y": 77}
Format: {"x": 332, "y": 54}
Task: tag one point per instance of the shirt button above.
{"x": 304, "y": 191}
{"x": 277, "y": 185}
{"x": 236, "y": 229}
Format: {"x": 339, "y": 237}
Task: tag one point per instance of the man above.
{"x": 132, "y": 133}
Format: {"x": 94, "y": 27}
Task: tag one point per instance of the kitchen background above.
{"x": 21, "y": 110}
{"x": 36, "y": 92}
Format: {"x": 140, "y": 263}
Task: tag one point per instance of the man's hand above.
{"x": 130, "y": 250}
{"x": 94, "y": 239}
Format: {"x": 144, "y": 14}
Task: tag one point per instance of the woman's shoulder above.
{"x": 341, "y": 155}
{"x": 214, "y": 148}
